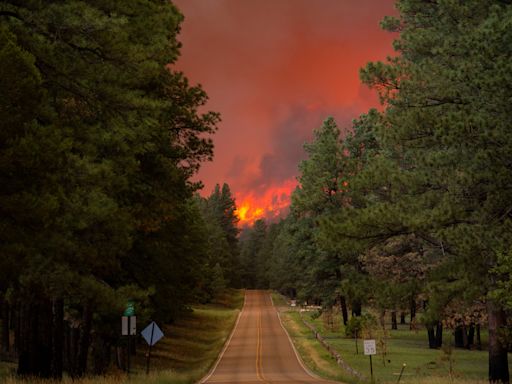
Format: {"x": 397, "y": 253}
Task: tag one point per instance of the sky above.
{"x": 275, "y": 69}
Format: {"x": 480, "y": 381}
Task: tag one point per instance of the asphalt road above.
{"x": 259, "y": 350}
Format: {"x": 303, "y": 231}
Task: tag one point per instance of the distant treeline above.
{"x": 99, "y": 140}
{"x": 413, "y": 208}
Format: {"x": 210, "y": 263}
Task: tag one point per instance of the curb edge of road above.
{"x": 226, "y": 344}
{"x": 306, "y": 369}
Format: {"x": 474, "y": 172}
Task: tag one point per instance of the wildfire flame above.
{"x": 248, "y": 212}
{"x": 271, "y": 205}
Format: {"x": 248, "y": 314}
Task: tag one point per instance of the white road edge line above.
{"x": 212, "y": 370}
{"x": 299, "y": 359}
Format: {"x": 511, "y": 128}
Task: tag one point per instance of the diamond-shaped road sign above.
{"x": 152, "y": 333}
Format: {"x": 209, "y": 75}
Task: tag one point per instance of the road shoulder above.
{"x": 315, "y": 359}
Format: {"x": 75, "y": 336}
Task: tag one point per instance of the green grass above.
{"x": 194, "y": 342}
{"x": 409, "y": 348}
{"x": 186, "y": 353}
{"x": 441, "y": 380}
{"x": 423, "y": 365}
{"x": 312, "y": 353}
{"x": 279, "y": 300}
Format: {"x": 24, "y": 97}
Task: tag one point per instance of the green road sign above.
{"x": 130, "y": 310}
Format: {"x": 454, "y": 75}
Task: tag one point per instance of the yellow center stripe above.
{"x": 259, "y": 372}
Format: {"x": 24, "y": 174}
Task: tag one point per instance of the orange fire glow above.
{"x": 271, "y": 205}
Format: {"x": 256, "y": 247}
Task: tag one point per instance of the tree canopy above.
{"x": 99, "y": 139}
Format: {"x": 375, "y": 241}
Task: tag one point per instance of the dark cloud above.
{"x": 287, "y": 146}
{"x": 287, "y": 142}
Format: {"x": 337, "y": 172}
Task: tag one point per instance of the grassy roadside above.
{"x": 312, "y": 353}
{"x": 424, "y": 366}
{"x": 410, "y": 347}
{"x": 186, "y": 353}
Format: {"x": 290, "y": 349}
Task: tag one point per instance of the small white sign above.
{"x": 133, "y": 325}
{"x": 369, "y": 347}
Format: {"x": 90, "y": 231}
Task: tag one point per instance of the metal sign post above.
{"x": 370, "y": 349}
{"x": 129, "y": 328}
{"x": 149, "y": 348}
{"x": 129, "y": 351}
{"x": 371, "y": 368}
{"x": 152, "y": 334}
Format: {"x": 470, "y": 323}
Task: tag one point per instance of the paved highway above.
{"x": 259, "y": 350}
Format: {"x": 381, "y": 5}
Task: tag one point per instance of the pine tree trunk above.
{"x": 57, "y": 337}
{"x": 356, "y": 308}
{"x": 431, "y": 337}
{"x": 26, "y": 340}
{"x": 394, "y": 324}
{"x": 471, "y": 335}
{"x": 478, "y": 338}
{"x": 17, "y": 328}
{"x": 344, "y": 312}
{"x": 101, "y": 351}
{"x": 74, "y": 337}
{"x": 85, "y": 340}
{"x": 5, "y": 341}
{"x": 66, "y": 363}
{"x": 439, "y": 334}
{"x": 382, "y": 319}
{"x": 45, "y": 341}
{"x": 459, "y": 338}
{"x": 413, "y": 312}
{"x": 35, "y": 350}
{"x": 402, "y": 317}
{"x": 465, "y": 335}
{"x": 120, "y": 359}
{"x": 498, "y": 358}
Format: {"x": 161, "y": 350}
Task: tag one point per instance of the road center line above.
{"x": 259, "y": 372}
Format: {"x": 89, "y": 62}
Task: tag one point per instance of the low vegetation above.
{"x": 314, "y": 356}
{"x": 184, "y": 355}
{"x": 423, "y": 365}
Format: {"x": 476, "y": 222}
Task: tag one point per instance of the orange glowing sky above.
{"x": 275, "y": 69}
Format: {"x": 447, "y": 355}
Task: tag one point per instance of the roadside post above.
{"x": 129, "y": 328}
{"x": 370, "y": 349}
{"x": 401, "y": 372}
{"x": 152, "y": 334}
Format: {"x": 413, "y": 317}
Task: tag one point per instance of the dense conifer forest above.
{"x": 101, "y": 139}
